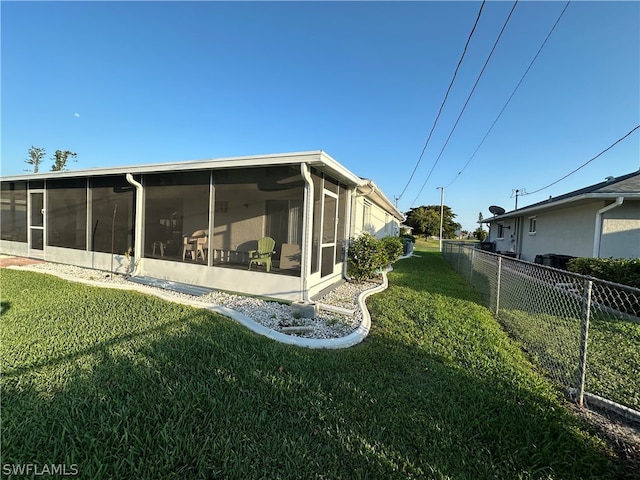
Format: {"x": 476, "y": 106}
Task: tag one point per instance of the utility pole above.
{"x": 441, "y": 214}
{"x": 517, "y": 192}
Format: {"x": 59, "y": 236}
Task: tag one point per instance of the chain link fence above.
{"x": 583, "y": 331}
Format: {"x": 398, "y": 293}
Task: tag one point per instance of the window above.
{"x": 112, "y": 205}
{"x": 67, "y": 213}
{"x": 176, "y": 205}
{"x": 330, "y": 217}
{"x": 532, "y": 225}
{"x": 342, "y": 216}
{"x": 500, "y": 230}
{"x": 14, "y": 211}
{"x": 254, "y": 202}
{"x": 366, "y": 218}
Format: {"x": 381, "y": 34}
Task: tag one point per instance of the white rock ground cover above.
{"x": 273, "y": 315}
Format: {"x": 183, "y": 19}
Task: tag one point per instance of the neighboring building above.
{"x": 197, "y": 222}
{"x": 602, "y": 220}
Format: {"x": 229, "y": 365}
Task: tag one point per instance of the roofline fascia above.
{"x": 587, "y": 196}
{"x": 316, "y": 158}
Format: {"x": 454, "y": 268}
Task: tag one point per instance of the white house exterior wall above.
{"x": 506, "y": 243}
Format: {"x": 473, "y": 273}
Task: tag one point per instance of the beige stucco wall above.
{"x": 378, "y": 223}
{"x": 571, "y": 231}
{"x": 621, "y": 231}
{"x": 567, "y": 231}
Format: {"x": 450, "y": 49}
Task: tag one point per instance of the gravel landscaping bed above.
{"x": 273, "y": 315}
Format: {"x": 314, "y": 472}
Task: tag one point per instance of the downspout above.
{"x": 597, "y": 236}
{"x": 307, "y": 234}
{"x": 137, "y": 248}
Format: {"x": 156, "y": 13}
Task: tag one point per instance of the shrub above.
{"x": 366, "y": 257}
{"x": 625, "y": 271}
{"x": 393, "y": 247}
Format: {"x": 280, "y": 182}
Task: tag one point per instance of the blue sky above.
{"x": 143, "y": 82}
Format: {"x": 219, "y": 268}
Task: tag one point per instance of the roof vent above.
{"x": 609, "y": 178}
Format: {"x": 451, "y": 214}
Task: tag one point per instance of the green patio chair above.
{"x": 262, "y": 256}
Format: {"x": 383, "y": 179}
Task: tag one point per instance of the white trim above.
{"x": 307, "y": 231}
{"x": 34, "y": 252}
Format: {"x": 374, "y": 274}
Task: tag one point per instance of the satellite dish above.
{"x": 496, "y": 210}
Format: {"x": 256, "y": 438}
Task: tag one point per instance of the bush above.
{"x": 393, "y": 247}
{"x": 366, "y": 257}
{"x": 625, "y": 271}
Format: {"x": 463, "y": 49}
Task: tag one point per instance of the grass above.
{"x": 612, "y": 351}
{"x": 547, "y": 321}
{"x": 128, "y": 386}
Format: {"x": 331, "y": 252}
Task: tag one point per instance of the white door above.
{"x": 36, "y": 224}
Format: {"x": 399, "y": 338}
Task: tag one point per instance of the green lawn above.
{"x": 128, "y": 386}
{"x": 612, "y": 351}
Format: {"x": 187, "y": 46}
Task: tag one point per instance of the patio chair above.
{"x": 195, "y": 244}
{"x": 262, "y": 256}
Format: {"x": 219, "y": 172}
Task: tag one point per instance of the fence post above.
{"x": 498, "y": 284}
{"x": 473, "y": 251}
{"x": 586, "y": 314}
{"x": 459, "y": 256}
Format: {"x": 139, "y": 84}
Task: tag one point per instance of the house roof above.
{"x": 627, "y": 186}
{"x": 317, "y": 159}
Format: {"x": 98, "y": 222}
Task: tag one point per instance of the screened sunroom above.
{"x": 270, "y": 225}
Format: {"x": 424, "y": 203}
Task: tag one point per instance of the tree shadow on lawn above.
{"x": 218, "y": 401}
{"x": 4, "y": 307}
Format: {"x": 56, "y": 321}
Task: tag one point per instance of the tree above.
{"x": 35, "y": 157}
{"x": 479, "y": 232}
{"x": 60, "y": 159}
{"x": 425, "y": 220}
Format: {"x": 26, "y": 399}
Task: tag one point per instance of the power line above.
{"x": 495, "y": 44}
{"x": 445, "y": 99}
{"x": 585, "y": 163}
{"x": 512, "y": 94}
